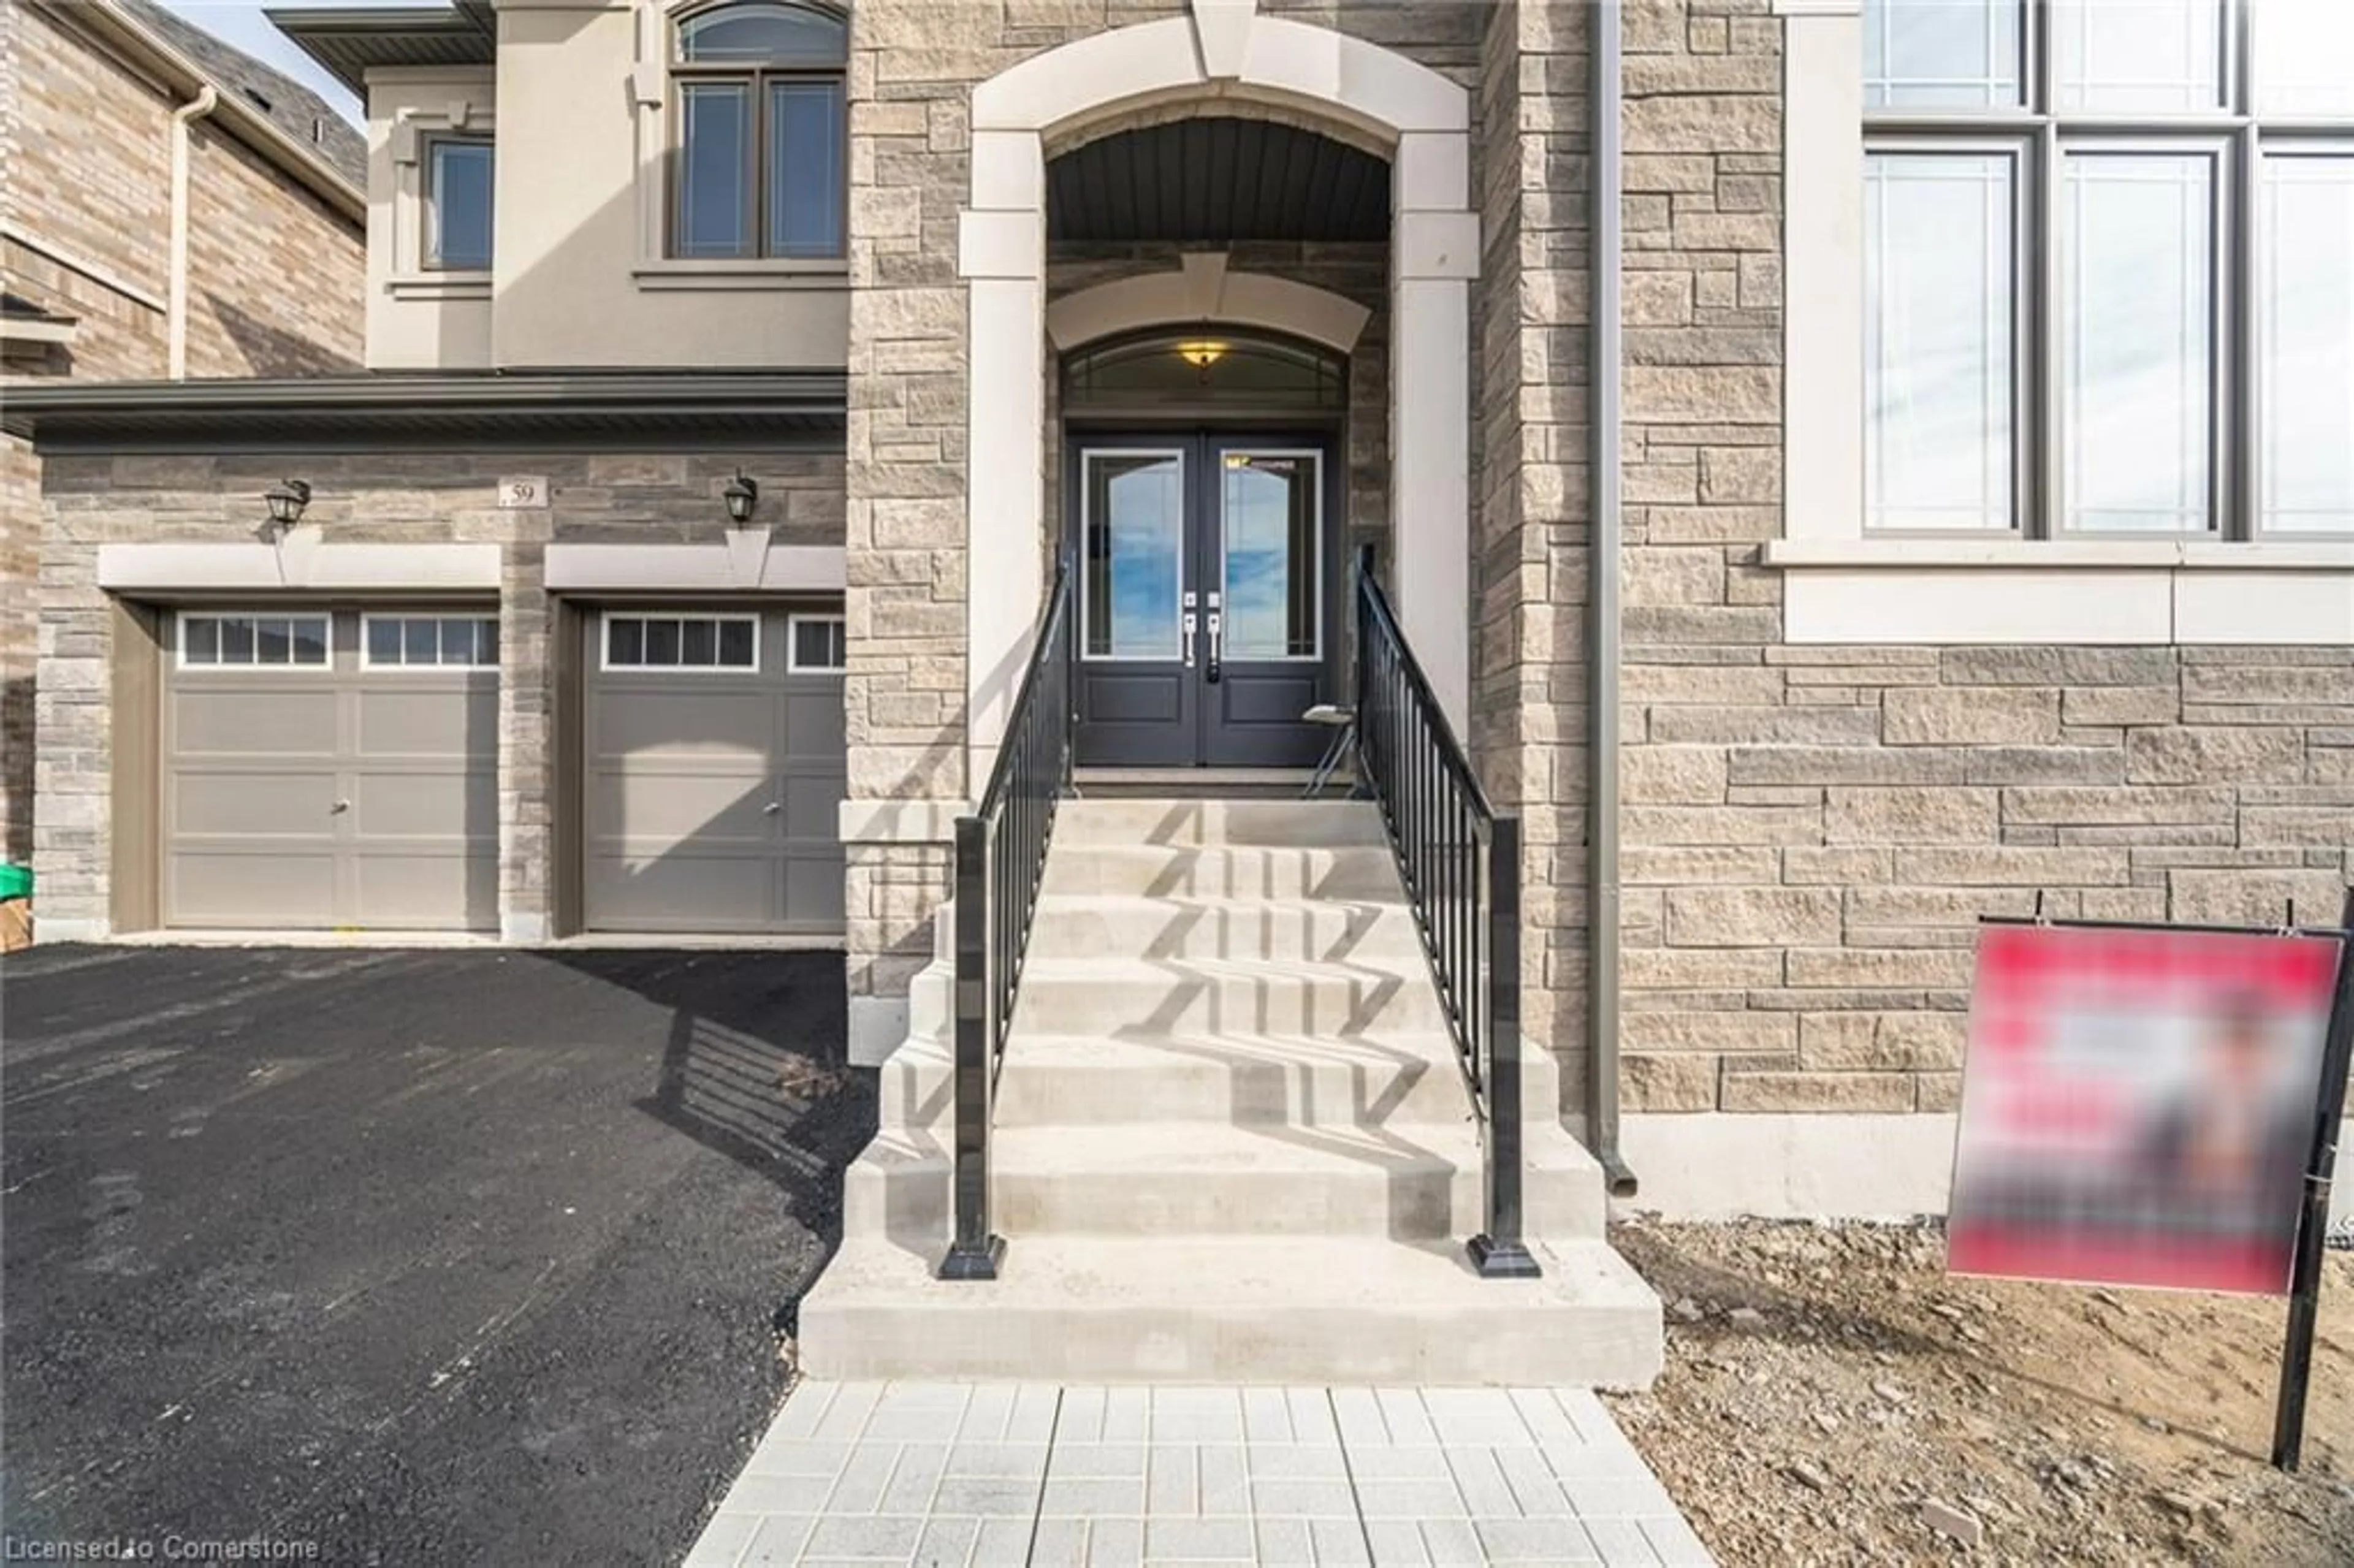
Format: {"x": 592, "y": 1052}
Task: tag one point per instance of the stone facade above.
{"x": 1812, "y": 833}
{"x": 273, "y": 288}
{"x": 391, "y": 498}
{"x": 1531, "y": 491}
{"x": 912, "y": 71}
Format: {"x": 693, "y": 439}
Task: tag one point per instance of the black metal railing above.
{"x": 1000, "y": 861}
{"x": 1461, "y": 861}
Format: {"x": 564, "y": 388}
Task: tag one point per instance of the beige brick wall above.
{"x": 275, "y": 279}
{"x": 275, "y": 288}
{"x": 391, "y": 498}
{"x": 1811, "y": 833}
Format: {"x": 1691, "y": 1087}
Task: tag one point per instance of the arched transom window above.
{"x": 757, "y": 155}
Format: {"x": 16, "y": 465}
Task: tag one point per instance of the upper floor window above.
{"x": 457, "y": 191}
{"x": 758, "y": 150}
{"x": 2109, "y": 250}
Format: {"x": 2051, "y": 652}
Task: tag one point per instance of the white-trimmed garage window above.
{"x": 712, "y": 642}
{"x": 816, "y": 645}
{"x": 252, "y": 640}
{"x": 434, "y": 641}
{"x": 2109, "y": 268}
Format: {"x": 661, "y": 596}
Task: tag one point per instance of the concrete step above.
{"x": 1254, "y": 1310}
{"x": 1202, "y": 1179}
{"x": 1143, "y": 997}
{"x": 1110, "y": 925}
{"x": 1422, "y": 1184}
{"x": 1194, "y": 823}
{"x": 1369, "y": 1081}
{"x": 1364, "y": 873}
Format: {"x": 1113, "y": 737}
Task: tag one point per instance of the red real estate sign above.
{"x": 2138, "y": 1105}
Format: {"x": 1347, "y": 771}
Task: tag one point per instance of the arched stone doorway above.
{"x": 1225, "y": 58}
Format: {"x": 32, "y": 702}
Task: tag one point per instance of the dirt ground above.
{"x": 1830, "y": 1396}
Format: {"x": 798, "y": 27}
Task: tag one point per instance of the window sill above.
{"x": 2064, "y": 592}
{"x": 440, "y": 286}
{"x": 2039, "y": 554}
{"x": 724, "y": 275}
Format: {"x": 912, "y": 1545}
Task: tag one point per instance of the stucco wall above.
{"x": 418, "y": 319}
{"x": 389, "y": 498}
{"x": 575, "y": 279}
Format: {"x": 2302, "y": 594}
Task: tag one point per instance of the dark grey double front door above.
{"x": 1205, "y": 599}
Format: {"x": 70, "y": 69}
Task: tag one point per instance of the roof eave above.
{"x": 390, "y": 28}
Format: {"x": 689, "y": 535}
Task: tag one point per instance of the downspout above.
{"x": 1602, "y": 615}
{"x": 176, "y": 293}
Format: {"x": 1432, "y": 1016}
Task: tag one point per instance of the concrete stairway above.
{"x": 1231, "y": 1142}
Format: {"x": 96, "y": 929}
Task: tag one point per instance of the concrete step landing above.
{"x": 1231, "y": 1142}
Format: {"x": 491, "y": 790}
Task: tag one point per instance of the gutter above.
{"x": 1606, "y": 546}
{"x": 175, "y": 291}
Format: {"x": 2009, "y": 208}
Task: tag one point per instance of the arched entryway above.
{"x": 1223, "y": 60}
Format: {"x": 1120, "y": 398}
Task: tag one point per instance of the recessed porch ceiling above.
{"x": 1216, "y": 180}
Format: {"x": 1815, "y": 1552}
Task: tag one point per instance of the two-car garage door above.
{"x": 331, "y": 767}
{"x": 328, "y": 766}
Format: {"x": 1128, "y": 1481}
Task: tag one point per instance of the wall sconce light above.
{"x": 742, "y": 495}
{"x": 286, "y": 500}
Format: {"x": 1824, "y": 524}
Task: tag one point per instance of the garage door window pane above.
{"x": 698, "y": 643}
{"x": 817, "y": 643}
{"x": 310, "y": 640}
{"x": 200, "y": 639}
{"x": 237, "y": 641}
{"x": 625, "y": 643}
{"x": 735, "y": 644}
{"x": 661, "y": 643}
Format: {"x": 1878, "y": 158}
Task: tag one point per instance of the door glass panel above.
{"x": 1132, "y": 529}
{"x": 1269, "y": 510}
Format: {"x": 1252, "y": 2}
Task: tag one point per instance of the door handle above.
{"x": 772, "y": 808}
{"x": 1188, "y": 639}
{"x": 339, "y": 808}
{"x": 1216, "y": 637}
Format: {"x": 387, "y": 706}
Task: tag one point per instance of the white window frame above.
{"x": 181, "y": 618}
{"x": 1087, "y": 455}
{"x": 1845, "y": 584}
{"x": 793, "y": 624}
{"x": 369, "y": 662}
{"x": 1316, "y": 584}
{"x": 717, "y": 617}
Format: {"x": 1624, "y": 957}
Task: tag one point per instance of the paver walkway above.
{"x": 977, "y": 1475}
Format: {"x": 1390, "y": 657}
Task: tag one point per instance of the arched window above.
{"x": 1205, "y": 365}
{"x": 759, "y": 155}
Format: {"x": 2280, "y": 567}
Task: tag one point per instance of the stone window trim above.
{"x": 1846, "y": 585}
{"x": 415, "y": 275}
{"x": 655, "y": 270}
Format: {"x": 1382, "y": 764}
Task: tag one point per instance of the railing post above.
{"x": 1499, "y": 1251}
{"x": 975, "y": 1253}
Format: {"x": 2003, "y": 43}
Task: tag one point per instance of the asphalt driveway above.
{"x": 430, "y": 1257}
